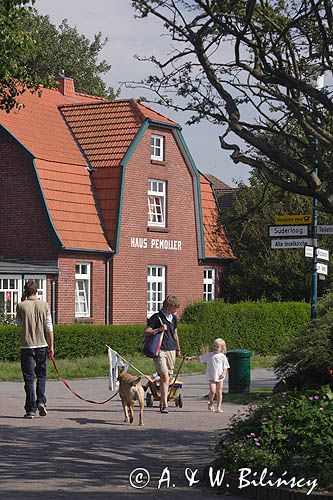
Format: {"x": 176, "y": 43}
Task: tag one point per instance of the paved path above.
{"x": 84, "y": 451}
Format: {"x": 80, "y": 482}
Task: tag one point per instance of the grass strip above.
{"x": 97, "y": 366}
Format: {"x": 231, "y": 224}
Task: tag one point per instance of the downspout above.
{"x": 107, "y": 292}
{"x": 53, "y": 301}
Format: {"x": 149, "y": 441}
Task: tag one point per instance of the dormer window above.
{"x": 157, "y": 147}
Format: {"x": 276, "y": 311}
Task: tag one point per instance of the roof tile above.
{"x": 216, "y": 241}
{"x": 72, "y": 205}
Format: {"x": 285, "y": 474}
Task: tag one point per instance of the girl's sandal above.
{"x": 219, "y": 410}
{"x": 211, "y": 407}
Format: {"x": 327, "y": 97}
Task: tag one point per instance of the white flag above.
{"x": 115, "y": 362}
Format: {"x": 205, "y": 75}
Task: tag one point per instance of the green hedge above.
{"x": 263, "y": 327}
{"x": 258, "y": 326}
{"x": 73, "y": 341}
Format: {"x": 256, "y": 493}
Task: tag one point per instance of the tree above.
{"x": 65, "y": 49}
{"x": 249, "y": 66}
{"x": 259, "y": 271}
{"x": 16, "y": 44}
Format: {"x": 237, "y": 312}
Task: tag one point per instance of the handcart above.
{"x": 153, "y": 393}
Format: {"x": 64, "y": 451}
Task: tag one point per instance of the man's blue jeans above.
{"x": 33, "y": 361}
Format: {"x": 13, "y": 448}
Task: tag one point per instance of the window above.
{"x": 157, "y": 147}
{"x": 156, "y": 202}
{"x": 82, "y": 290}
{"x": 10, "y": 295}
{"x": 155, "y": 288}
{"x": 11, "y": 291}
{"x": 209, "y": 284}
{"x": 41, "y": 284}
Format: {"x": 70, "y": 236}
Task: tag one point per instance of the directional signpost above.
{"x": 324, "y": 229}
{"x": 321, "y": 268}
{"x": 283, "y": 244}
{"x": 297, "y": 228}
{"x": 321, "y": 254}
{"x": 294, "y": 230}
{"x": 293, "y": 219}
{"x": 276, "y": 231}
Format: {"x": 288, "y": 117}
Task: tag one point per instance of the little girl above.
{"x": 217, "y": 366}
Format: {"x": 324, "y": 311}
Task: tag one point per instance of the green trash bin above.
{"x": 239, "y": 377}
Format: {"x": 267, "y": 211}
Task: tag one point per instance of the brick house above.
{"x": 76, "y": 175}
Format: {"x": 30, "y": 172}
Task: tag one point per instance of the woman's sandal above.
{"x": 219, "y": 410}
{"x": 211, "y": 407}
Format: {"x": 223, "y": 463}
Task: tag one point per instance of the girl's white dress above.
{"x": 216, "y": 363}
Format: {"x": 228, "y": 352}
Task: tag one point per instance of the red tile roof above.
{"x": 216, "y": 242}
{"x": 105, "y": 130}
{"x": 69, "y": 197}
{"x": 61, "y": 167}
{"x": 65, "y": 134}
{"x": 153, "y": 115}
{"x": 226, "y": 195}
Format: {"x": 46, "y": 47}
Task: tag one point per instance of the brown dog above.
{"x": 131, "y": 390}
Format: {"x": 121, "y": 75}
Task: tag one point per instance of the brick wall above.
{"x": 24, "y": 228}
{"x": 66, "y": 287}
{"x": 184, "y": 277}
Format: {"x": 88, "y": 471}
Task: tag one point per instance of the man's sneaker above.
{"x": 164, "y": 409}
{"x": 42, "y": 410}
{"x": 29, "y": 415}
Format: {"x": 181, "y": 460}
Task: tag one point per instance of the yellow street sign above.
{"x": 293, "y": 219}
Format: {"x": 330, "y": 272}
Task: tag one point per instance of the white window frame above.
{"x": 157, "y": 147}
{"x": 209, "y": 284}
{"x": 15, "y": 293}
{"x": 82, "y": 290}
{"x": 156, "y": 203}
{"x": 41, "y": 290}
{"x": 155, "y": 288}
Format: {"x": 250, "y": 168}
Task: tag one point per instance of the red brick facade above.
{"x": 58, "y": 210}
{"x": 25, "y": 231}
{"x": 184, "y": 276}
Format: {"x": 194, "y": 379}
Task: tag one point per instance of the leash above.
{"x": 178, "y": 372}
{"x": 74, "y": 392}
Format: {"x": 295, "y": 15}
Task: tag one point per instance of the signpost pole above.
{"x": 314, "y": 280}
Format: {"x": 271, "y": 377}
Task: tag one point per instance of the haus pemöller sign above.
{"x": 156, "y": 243}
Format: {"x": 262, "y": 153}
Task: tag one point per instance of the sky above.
{"x": 129, "y": 37}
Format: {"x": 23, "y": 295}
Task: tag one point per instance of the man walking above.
{"x": 36, "y": 340}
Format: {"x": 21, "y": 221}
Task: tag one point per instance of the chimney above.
{"x": 66, "y": 85}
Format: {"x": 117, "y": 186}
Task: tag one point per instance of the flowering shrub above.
{"x": 290, "y": 432}
{"x": 307, "y": 357}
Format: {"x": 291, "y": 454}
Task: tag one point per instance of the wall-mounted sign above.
{"x": 156, "y": 243}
